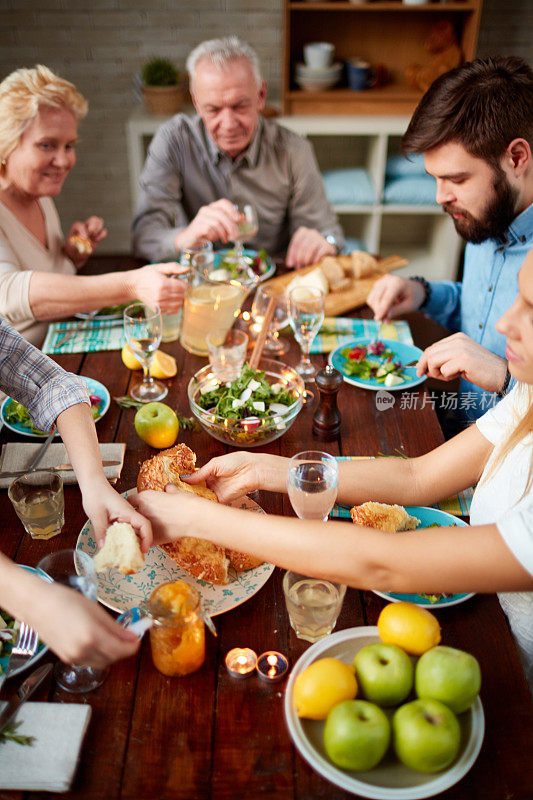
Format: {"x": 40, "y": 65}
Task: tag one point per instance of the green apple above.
{"x": 157, "y": 425}
{"x": 426, "y": 735}
{"x": 384, "y": 673}
{"x": 356, "y": 735}
{"x": 449, "y": 675}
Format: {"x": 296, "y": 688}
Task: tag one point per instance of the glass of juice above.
{"x": 313, "y": 604}
{"x": 177, "y": 636}
{"x": 38, "y": 499}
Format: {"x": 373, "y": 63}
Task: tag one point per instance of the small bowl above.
{"x": 239, "y": 433}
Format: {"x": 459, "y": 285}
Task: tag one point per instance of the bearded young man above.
{"x": 198, "y": 167}
{"x": 474, "y": 127}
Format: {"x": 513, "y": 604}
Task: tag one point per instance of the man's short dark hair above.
{"x": 482, "y": 105}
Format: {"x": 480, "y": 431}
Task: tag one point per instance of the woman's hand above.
{"x": 103, "y": 505}
{"x": 93, "y": 230}
{"x": 156, "y": 285}
{"x": 172, "y": 512}
{"x": 236, "y": 474}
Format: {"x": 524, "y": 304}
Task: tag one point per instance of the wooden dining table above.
{"x": 210, "y": 736}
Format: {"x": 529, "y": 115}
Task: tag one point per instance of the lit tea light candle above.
{"x": 272, "y": 666}
{"x": 241, "y": 662}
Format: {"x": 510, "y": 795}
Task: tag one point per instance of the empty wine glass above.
{"x": 143, "y": 328}
{"x": 263, "y": 295}
{"x": 306, "y": 313}
{"x": 74, "y": 569}
{"x": 312, "y": 484}
{"x": 247, "y": 227}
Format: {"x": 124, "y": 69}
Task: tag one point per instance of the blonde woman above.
{"x": 494, "y": 554}
{"x": 39, "y": 116}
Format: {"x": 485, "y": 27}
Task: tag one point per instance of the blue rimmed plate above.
{"x": 122, "y": 592}
{"x": 6, "y": 649}
{"x": 95, "y": 387}
{"x": 402, "y": 352}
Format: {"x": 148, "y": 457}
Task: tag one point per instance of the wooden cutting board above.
{"x": 338, "y": 303}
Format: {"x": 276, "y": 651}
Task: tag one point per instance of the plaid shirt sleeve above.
{"x": 35, "y": 380}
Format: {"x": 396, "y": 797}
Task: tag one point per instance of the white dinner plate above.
{"x": 121, "y": 592}
{"x": 95, "y": 387}
{"x": 390, "y": 780}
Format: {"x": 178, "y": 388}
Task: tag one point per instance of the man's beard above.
{"x": 496, "y": 218}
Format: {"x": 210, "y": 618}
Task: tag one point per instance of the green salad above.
{"x": 7, "y": 621}
{"x": 374, "y": 361}
{"x": 230, "y": 269}
{"x": 17, "y": 414}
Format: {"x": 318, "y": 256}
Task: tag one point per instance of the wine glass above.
{"x": 312, "y": 484}
{"x": 143, "y": 328}
{"x": 75, "y": 569}
{"x": 306, "y": 313}
{"x": 247, "y": 227}
{"x": 263, "y": 295}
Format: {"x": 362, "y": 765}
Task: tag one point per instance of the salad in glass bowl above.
{"x": 255, "y": 408}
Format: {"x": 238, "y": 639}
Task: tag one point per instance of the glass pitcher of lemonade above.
{"x": 210, "y": 306}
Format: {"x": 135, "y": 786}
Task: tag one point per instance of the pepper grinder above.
{"x": 327, "y": 417}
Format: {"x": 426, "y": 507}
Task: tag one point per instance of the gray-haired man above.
{"x": 198, "y": 167}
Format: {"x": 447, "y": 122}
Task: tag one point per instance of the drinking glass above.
{"x": 313, "y": 604}
{"x": 247, "y": 227}
{"x": 74, "y": 569}
{"x": 312, "y": 484}
{"x": 39, "y": 502}
{"x": 263, "y": 295}
{"x": 227, "y": 356}
{"x": 142, "y": 328}
{"x": 306, "y": 313}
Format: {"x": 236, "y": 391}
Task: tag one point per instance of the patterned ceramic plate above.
{"x": 95, "y": 387}
{"x": 121, "y": 592}
{"x": 6, "y": 649}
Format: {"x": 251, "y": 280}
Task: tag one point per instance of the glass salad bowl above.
{"x": 242, "y": 414}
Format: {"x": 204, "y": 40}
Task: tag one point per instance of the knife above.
{"x": 58, "y": 468}
{"x": 41, "y": 451}
{"x": 25, "y": 690}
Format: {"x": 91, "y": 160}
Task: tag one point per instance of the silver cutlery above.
{"x": 38, "y": 457}
{"x": 58, "y": 468}
{"x": 24, "y": 648}
{"x": 25, "y": 691}
{"x": 412, "y": 363}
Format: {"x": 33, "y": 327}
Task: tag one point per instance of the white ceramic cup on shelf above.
{"x": 318, "y": 55}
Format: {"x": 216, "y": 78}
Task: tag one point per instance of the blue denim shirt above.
{"x": 488, "y": 289}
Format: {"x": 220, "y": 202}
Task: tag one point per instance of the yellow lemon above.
{"x": 409, "y": 626}
{"x": 322, "y": 685}
{"x": 129, "y": 359}
{"x": 163, "y": 365}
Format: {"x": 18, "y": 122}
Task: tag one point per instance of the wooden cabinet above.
{"x": 386, "y": 32}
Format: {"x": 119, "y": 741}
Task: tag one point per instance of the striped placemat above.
{"x": 343, "y": 329}
{"x": 457, "y": 504}
{"x": 86, "y": 337}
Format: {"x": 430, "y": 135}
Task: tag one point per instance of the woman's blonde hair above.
{"x": 23, "y": 92}
{"x": 523, "y": 427}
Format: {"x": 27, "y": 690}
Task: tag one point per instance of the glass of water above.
{"x": 313, "y": 604}
{"x": 263, "y": 294}
{"x": 38, "y": 499}
{"x": 74, "y": 569}
{"x": 227, "y": 356}
{"x": 312, "y": 484}
{"x": 306, "y": 314}
{"x": 142, "y": 329}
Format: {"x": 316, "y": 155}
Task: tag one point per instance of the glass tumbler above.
{"x": 177, "y": 636}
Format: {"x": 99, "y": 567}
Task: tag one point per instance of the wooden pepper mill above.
{"x": 327, "y": 417}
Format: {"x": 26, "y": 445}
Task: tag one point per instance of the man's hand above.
{"x": 216, "y": 221}
{"x": 392, "y": 296}
{"x": 307, "y": 246}
{"x": 459, "y": 356}
{"x": 92, "y": 229}
{"x": 156, "y": 285}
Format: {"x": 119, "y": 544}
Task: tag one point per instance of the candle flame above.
{"x": 272, "y": 660}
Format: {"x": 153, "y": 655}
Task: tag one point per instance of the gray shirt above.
{"x": 185, "y": 170}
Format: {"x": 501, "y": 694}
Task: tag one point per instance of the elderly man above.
{"x": 198, "y": 167}
{"x": 474, "y": 126}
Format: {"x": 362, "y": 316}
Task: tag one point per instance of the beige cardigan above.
{"x": 20, "y": 255}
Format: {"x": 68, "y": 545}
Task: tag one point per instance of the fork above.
{"x": 23, "y": 649}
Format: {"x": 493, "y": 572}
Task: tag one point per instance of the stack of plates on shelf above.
{"x": 316, "y": 80}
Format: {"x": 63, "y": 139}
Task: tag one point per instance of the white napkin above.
{"x": 50, "y": 762}
{"x": 18, "y": 455}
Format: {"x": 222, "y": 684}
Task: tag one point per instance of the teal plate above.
{"x": 402, "y": 352}
{"x": 95, "y": 387}
{"x": 427, "y": 516}
{"x": 6, "y": 649}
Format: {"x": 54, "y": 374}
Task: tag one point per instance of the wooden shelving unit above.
{"x": 383, "y": 32}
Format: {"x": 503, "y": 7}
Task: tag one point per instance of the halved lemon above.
{"x": 163, "y": 365}
{"x": 129, "y": 358}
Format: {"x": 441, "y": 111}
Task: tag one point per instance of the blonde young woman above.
{"x": 494, "y": 554}
{"x": 39, "y": 116}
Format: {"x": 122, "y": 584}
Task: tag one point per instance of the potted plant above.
{"x": 162, "y": 91}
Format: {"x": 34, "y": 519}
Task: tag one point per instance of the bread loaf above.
{"x": 383, "y": 517}
{"x": 121, "y": 550}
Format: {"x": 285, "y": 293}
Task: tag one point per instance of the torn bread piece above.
{"x": 121, "y": 550}
{"x": 363, "y": 264}
{"x": 384, "y": 517}
{"x": 83, "y": 245}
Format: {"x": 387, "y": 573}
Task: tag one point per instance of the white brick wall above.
{"x": 101, "y": 44}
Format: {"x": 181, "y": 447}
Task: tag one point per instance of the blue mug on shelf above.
{"x": 360, "y": 75}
